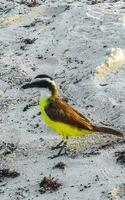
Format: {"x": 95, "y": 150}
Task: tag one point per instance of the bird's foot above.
{"x": 60, "y": 153}
{"x": 58, "y": 146}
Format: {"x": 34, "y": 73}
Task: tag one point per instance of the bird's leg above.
{"x": 63, "y": 147}
{"x": 58, "y": 146}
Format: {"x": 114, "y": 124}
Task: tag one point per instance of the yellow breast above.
{"x": 61, "y": 128}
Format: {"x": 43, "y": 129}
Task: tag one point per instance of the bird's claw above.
{"x": 60, "y": 153}
{"x": 58, "y": 146}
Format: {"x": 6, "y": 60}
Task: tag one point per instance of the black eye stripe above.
{"x": 43, "y": 76}
{"x": 39, "y": 84}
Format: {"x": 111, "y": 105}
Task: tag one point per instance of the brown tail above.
{"x": 107, "y": 130}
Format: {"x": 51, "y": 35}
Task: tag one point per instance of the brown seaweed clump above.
{"x": 49, "y": 184}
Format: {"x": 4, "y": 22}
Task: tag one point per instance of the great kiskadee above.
{"x": 61, "y": 116}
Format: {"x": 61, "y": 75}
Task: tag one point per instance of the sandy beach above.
{"x": 81, "y": 44}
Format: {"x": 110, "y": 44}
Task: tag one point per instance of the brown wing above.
{"x": 59, "y": 110}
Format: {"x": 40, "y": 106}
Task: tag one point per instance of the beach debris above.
{"x": 29, "y": 41}
{"x": 59, "y": 165}
{"x": 92, "y": 153}
{"x": 28, "y": 106}
{"x": 84, "y": 187}
{"x": 120, "y": 157}
{"x": 49, "y": 184}
{"x": 6, "y": 173}
{"x": 30, "y": 3}
{"x": 7, "y": 148}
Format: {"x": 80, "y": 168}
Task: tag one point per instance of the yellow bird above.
{"x": 61, "y": 116}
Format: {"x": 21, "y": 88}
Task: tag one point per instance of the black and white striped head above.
{"x": 42, "y": 81}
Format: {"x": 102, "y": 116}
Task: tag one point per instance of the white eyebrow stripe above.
{"x": 45, "y": 79}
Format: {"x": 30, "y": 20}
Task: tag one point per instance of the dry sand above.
{"x": 82, "y": 45}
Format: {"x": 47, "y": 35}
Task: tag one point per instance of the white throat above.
{"x": 45, "y": 93}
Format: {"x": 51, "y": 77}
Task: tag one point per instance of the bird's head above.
{"x": 42, "y": 81}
